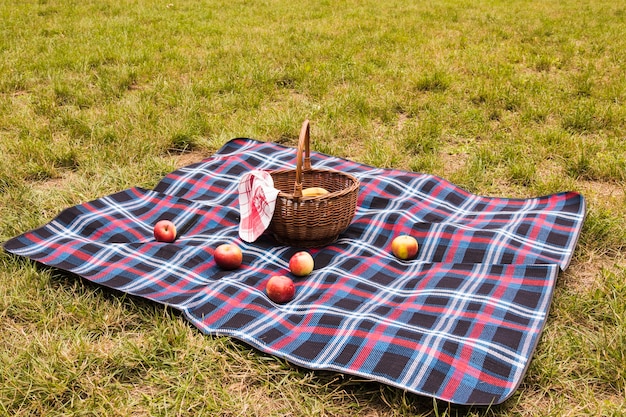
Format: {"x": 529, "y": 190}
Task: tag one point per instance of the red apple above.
{"x": 301, "y": 264}
{"x": 164, "y": 231}
{"x": 280, "y": 289}
{"x": 404, "y": 247}
{"x": 228, "y": 256}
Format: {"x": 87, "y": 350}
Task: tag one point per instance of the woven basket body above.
{"x": 312, "y": 221}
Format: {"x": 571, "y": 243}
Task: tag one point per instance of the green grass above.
{"x": 508, "y": 98}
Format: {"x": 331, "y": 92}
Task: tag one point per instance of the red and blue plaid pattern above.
{"x": 459, "y": 323}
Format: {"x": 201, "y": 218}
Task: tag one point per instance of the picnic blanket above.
{"x": 459, "y": 323}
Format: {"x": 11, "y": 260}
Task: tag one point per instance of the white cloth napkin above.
{"x": 257, "y": 200}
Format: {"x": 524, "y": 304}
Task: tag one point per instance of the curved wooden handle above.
{"x": 303, "y": 145}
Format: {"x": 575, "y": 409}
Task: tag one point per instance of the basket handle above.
{"x": 303, "y": 145}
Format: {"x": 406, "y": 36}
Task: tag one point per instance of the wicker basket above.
{"x": 305, "y": 221}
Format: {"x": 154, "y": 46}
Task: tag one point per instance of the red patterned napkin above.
{"x": 257, "y": 199}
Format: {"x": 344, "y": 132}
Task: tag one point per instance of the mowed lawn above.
{"x": 514, "y": 98}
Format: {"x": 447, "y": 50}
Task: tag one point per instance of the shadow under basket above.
{"x": 311, "y": 221}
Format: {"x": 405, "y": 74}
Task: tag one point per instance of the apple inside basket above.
{"x": 310, "y": 221}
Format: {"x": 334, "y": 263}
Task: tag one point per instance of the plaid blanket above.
{"x": 459, "y": 323}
